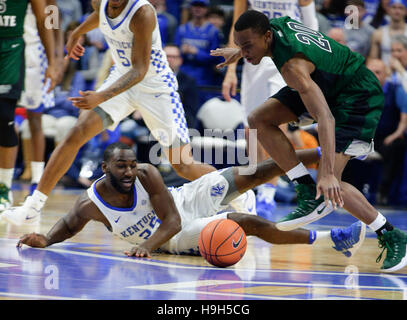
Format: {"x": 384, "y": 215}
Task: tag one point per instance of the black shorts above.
{"x": 357, "y": 110}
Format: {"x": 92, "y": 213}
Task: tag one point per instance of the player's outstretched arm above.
{"x": 297, "y": 74}
{"x": 142, "y": 26}
{"x": 229, "y": 84}
{"x": 165, "y": 209}
{"x": 83, "y": 211}
{"x": 73, "y": 48}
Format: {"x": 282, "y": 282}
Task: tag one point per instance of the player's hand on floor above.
{"x": 138, "y": 251}
{"x": 34, "y": 240}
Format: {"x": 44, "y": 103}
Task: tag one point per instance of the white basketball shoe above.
{"x": 28, "y": 213}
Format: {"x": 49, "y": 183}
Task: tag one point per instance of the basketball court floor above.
{"x": 92, "y": 265}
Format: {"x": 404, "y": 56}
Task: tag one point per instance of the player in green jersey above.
{"x": 12, "y": 67}
{"x": 329, "y": 84}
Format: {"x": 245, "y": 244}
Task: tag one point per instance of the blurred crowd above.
{"x": 376, "y": 29}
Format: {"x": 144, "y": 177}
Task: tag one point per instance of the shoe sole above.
{"x": 362, "y": 236}
{"x": 300, "y": 222}
{"x": 399, "y": 266}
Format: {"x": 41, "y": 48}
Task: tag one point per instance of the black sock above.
{"x": 307, "y": 179}
{"x": 386, "y": 227}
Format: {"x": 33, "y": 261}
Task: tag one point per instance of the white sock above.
{"x": 37, "y": 168}
{"x": 322, "y": 237}
{"x": 39, "y": 199}
{"x": 6, "y": 176}
{"x": 379, "y": 222}
{"x": 298, "y": 171}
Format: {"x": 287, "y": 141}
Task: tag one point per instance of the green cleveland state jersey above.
{"x": 12, "y": 14}
{"x": 335, "y": 64}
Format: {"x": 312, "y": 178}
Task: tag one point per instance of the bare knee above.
{"x": 76, "y": 136}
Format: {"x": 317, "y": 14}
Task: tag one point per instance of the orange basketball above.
{"x": 222, "y": 242}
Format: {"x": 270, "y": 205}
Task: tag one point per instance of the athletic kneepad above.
{"x": 8, "y": 135}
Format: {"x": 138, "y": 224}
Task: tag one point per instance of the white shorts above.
{"x": 198, "y": 203}
{"x": 161, "y": 107}
{"x": 35, "y": 92}
{"x": 259, "y": 82}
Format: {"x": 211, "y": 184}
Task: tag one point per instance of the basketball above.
{"x": 222, "y": 242}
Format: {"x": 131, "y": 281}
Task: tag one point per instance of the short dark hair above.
{"x": 254, "y": 20}
{"x": 111, "y": 147}
{"x": 356, "y": 3}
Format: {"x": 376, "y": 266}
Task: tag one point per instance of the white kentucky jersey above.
{"x": 135, "y": 224}
{"x": 30, "y": 27}
{"x": 277, "y": 8}
{"x": 120, "y": 39}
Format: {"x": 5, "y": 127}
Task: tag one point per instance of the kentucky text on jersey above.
{"x": 8, "y": 21}
{"x": 118, "y": 44}
{"x": 142, "y": 226}
{"x": 271, "y": 5}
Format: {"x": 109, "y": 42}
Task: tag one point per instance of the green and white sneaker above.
{"x": 6, "y": 197}
{"x": 395, "y": 241}
{"x": 308, "y": 210}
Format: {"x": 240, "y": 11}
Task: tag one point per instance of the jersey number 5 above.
{"x": 122, "y": 55}
{"x": 307, "y": 36}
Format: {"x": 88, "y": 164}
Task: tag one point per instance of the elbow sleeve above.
{"x": 309, "y": 16}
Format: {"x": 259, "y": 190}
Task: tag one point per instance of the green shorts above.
{"x": 12, "y": 67}
{"x": 357, "y": 109}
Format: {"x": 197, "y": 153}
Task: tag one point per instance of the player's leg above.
{"x": 165, "y": 118}
{"x": 88, "y": 125}
{"x": 266, "y": 191}
{"x": 184, "y": 164}
{"x": 37, "y": 147}
{"x": 267, "y": 170}
{"x": 8, "y": 150}
{"x": 345, "y": 240}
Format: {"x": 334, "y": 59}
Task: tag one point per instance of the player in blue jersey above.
{"x": 132, "y": 201}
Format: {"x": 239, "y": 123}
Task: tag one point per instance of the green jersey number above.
{"x": 3, "y": 6}
{"x": 307, "y": 36}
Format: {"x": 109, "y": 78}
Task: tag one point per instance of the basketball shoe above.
{"x": 28, "y": 213}
{"x": 395, "y": 242}
{"x": 6, "y": 197}
{"x": 348, "y": 240}
{"x": 308, "y": 210}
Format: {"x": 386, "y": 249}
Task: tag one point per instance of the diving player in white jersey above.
{"x": 264, "y": 78}
{"x": 132, "y": 201}
{"x": 140, "y": 80}
{"x": 35, "y": 97}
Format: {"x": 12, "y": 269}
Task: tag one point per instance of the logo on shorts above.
{"x": 217, "y": 190}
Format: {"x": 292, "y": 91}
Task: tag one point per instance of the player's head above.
{"x": 253, "y": 35}
{"x": 120, "y": 166}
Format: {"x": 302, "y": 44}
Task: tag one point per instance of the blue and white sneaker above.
{"x": 348, "y": 240}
